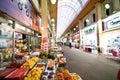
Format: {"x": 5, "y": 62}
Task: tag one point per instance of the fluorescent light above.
{"x": 76, "y": 26}
{"x": 53, "y": 24}
{"x": 23, "y": 1}
{"x": 52, "y": 20}
{"x": 42, "y": 28}
{"x": 53, "y": 1}
{"x": 87, "y": 20}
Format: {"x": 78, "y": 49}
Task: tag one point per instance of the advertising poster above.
{"x": 18, "y": 9}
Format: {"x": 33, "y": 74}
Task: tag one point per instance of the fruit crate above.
{"x": 49, "y": 73}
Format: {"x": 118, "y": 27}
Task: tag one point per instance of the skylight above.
{"x": 67, "y": 12}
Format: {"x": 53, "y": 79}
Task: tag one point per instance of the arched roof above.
{"x": 66, "y": 13}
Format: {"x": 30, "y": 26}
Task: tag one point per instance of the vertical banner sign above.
{"x": 44, "y": 44}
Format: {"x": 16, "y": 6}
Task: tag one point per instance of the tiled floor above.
{"x": 90, "y": 66}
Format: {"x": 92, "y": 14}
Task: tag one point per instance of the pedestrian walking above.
{"x": 70, "y": 45}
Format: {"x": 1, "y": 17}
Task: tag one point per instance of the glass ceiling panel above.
{"x": 67, "y": 11}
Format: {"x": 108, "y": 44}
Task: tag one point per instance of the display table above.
{"x": 49, "y": 72}
{"x": 17, "y": 74}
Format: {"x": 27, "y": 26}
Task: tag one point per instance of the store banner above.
{"x": 36, "y": 23}
{"x": 44, "y": 44}
{"x": 112, "y": 21}
{"x": 75, "y": 36}
{"x": 19, "y": 9}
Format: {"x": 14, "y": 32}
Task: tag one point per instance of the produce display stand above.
{"x": 48, "y": 72}
{"x": 17, "y": 74}
{"x": 6, "y": 72}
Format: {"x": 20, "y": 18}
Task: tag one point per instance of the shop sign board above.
{"x": 36, "y": 23}
{"x": 112, "y": 21}
{"x": 90, "y": 29}
{"x": 18, "y": 9}
{"x": 89, "y": 35}
{"x": 75, "y": 36}
{"x": 23, "y": 11}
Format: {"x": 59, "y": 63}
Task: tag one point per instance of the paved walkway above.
{"x": 90, "y": 66}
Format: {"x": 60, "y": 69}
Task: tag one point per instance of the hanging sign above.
{"x": 89, "y": 30}
{"x": 112, "y": 21}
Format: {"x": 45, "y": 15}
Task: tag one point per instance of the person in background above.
{"x": 70, "y": 45}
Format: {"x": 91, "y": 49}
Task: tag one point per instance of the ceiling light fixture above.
{"x": 52, "y": 20}
{"x": 53, "y": 1}
{"x": 74, "y": 29}
{"x": 87, "y": 20}
{"x": 76, "y": 26}
{"x": 107, "y": 6}
{"x": 53, "y": 24}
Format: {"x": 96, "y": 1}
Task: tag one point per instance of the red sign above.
{"x": 35, "y": 26}
{"x": 44, "y": 44}
{"x": 75, "y": 36}
{"x": 45, "y": 40}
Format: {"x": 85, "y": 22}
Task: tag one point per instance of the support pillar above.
{"x": 44, "y": 29}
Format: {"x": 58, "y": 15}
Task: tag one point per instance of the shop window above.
{"x": 85, "y": 23}
{"x": 6, "y": 46}
{"x": 6, "y": 22}
{"x": 21, "y": 42}
{"x": 94, "y": 18}
{"x": 107, "y": 12}
{"x": 50, "y": 35}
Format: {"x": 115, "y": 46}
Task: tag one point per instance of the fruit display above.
{"x": 51, "y": 64}
{"x": 62, "y": 61}
{"x": 30, "y": 63}
{"x": 34, "y": 74}
{"x": 59, "y": 76}
{"x": 50, "y": 55}
{"x": 75, "y": 76}
{"x": 66, "y": 75}
{"x": 45, "y": 54}
{"x": 20, "y": 55}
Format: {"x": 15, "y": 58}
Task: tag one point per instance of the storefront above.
{"x": 6, "y": 41}
{"x": 19, "y": 24}
{"x": 89, "y": 38}
{"x": 110, "y": 39}
{"x": 76, "y": 40}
